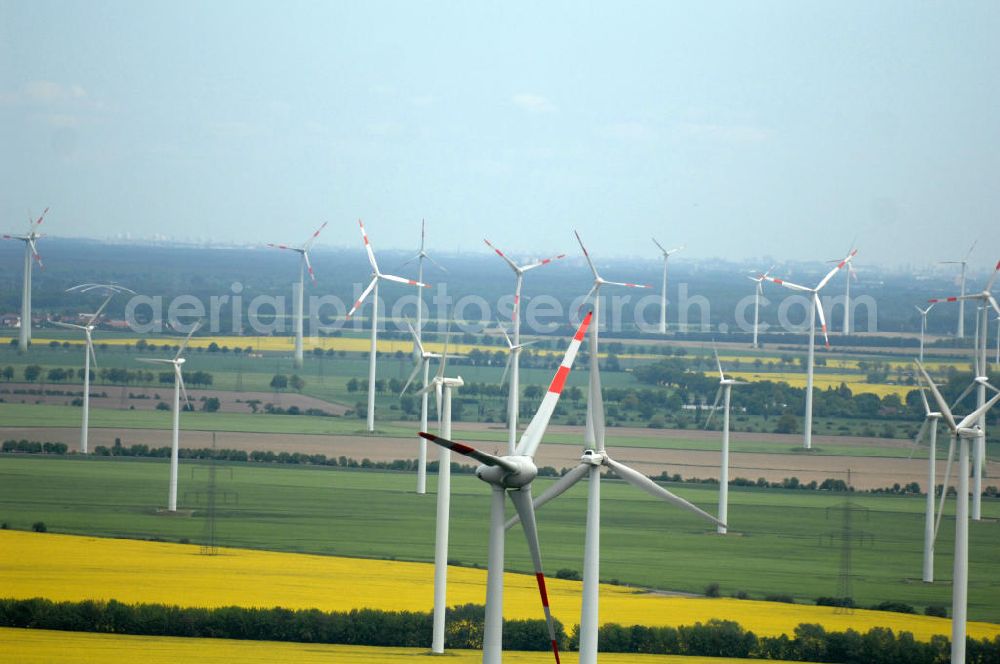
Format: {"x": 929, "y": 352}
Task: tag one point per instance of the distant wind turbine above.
{"x": 667, "y": 253}
{"x": 88, "y": 351}
{"x": 725, "y": 388}
{"x": 177, "y": 363}
{"x": 961, "y": 304}
{"x": 815, "y": 307}
{"x": 418, "y": 335}
{"x": 299, "y": 314}
{"x": 30, "y": 252}
{"x": 373, "y": 286}
{"x": 758, "y": 291}
{"x": 514, "y": 360}
{"x": 923, "y": 326}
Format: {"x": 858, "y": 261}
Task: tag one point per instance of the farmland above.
{"x": 782, "y": 541}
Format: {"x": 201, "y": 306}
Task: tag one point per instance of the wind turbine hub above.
{"x": 593, "y": 458}
{"x": 501, "y": 477}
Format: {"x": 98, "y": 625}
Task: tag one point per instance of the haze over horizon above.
{"x": 720, "y": 127}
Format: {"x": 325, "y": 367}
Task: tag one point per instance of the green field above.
{"x": 31, "y": 415}
{"x": 781, "y": 542}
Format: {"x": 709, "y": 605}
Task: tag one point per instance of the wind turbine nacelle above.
{"x": 498, "y": 476}
{"x": 592, "y": 457}
{"x": 180, "y": 360}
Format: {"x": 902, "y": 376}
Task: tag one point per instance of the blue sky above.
{"x": 740, "y": 129}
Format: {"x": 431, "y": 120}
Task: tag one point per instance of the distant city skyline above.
{"x": 738, "y": 129}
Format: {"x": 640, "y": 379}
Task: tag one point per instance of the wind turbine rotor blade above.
{"x": 444, "y": 352}
{"x": 180, "y": 381}
{"x": 916, "y": 439}
{"x": 506, "y": 368}
{"x": 502, "y": 255}
{"x": 312, "y": 238}
{"x": 966, "y": 392}
{"x": 660, "y": 247}
{"x": 942, "y": 404}
{"x": 945, "y": 484}
{"x": 927, "y": 406}
{"x": 35, "y": 254}
{"x": 993, "y": 278}
{"x": 100, "y": 309}
{"x": 153, "y": 360}
{"x": 435, "y": 263}
{"x": 993, "y": 303}
{"x": 309, "y": 267}
{"x": 560, "y": 487}
{"x": 974, "y": 416}
{"x": 711, "y": 413}
{"x": 281, "y": 246}
{"x": 592, "y": 291}
{"x": 544, "y": 261}
{"x": 68, "y": 326}
{"x": 718, "y": 364}
{"x": 974, "y": 242}
{"x": 403, "y": 280}
{"x": 522, "y": 502}
{"x": 368, "y": 247}
{"x": 413, "y": 374}
{"x": 587, "y": 256}
{"x": 194, "y": 328}
{"x": 626, "y": 285}
{"x": 362, "y": 297}
{"x": 834, "y": 271}
{"x": 41, "y": 217}
{"x": 471, "y": 452}
{"x": 788, "y": 284}
{"x": 676, "y": 249}
{"x": 640, "y": 481}
{"x": 532, "y": 436}
{"x": 822, "y": 317}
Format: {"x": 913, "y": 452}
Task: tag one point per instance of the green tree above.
{"x": 210, "y": 405}
{"x": 296, "y": 383}
{"x": 279, "y": 382}
{"x": 32, "y": 372}
{"x": 787, "y": 423}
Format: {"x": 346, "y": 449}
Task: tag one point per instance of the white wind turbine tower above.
{"x": 595, "y": 291}
{"x": 418, "y": 335}
{"x": 962, "y": 433}
{"x": 930, "y": 531}
{"x": 512, "y": 475}
{"x": 373, "y": 286}
{"x": 514, "y": 361}
{"x": 88, "y": 351}
{"x": 590, "y": 467}
{"x": 304, "y": 264}
{"x": 30, "y": 252}
{"x": 961, "y": 304}
{"x": 815, "y": 307}
{"x": 757, "y": 293}
{"x": 442, "y": 388}
{"x": 851, "y": 273}
{"x": 421, "y": 360}
{"x": 986, "y": 301}
{"x": 667, "y": 253}
{"x": 725, "y": 388}
{"x": 923, "y": 326}
{"x": 177, "y": 362}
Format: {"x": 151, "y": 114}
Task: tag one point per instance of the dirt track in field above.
{"x": 118, "y": 398}
{"x": 865, "y": 472}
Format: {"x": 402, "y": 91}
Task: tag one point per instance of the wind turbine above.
{"x": 986, "y": 301}
{"x": 815, "y": 307}
{"x": 930, "y": 531}
{"x": 418, "y": 335}
{"x": 725, "y": 388}
{"x": 373, "y": 286}
{"x": 512, "y": 475}
{"x": 177, "y": 362}
{"x": 513, "y": 350}
{"x": 923, "y": 326}
{"x": 30, "y": 252}
{"x": 442, "y": 388}
{"x": 667, "y": 253}
{"x": 961, "y": 305}
{"x": 421, "y": 360}
{"x": 304, "y": 265}
{"x": 88, "y": 351}
{"x": 851, "y": 274}
{"x": 514, "y": 361}
{"x": 595, "y": 291}
{"x": 962, "y": 432}
{"x": 757, "y": 293}
{"x": 590, "y": 467}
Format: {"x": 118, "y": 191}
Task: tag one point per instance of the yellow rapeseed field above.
{"x": 856, "y": 382}
{"x": 66, "y": 567}
{"x": 32, "y": 646}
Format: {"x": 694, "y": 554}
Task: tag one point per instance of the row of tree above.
{"x": 464, "y": 629}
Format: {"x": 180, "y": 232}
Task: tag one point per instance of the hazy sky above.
{"x": 740, "y": 129}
